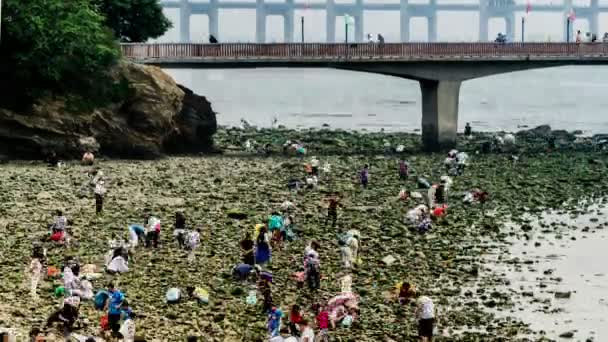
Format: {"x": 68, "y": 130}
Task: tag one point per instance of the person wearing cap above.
{"x": 425, "y": 312}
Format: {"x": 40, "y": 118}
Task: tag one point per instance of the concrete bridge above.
{"x": 488, "y": 9}
{"x": 440, "y": 68}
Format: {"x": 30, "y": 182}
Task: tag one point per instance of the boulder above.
{"x": 158, "y": 116}
{"x": 195, "y": 125}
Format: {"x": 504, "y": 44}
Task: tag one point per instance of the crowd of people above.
{"x": 426, "y": 202}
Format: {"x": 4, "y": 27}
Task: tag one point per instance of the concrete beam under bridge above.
{"x": 440, "y": 81}
{"x": 440, "y": 89}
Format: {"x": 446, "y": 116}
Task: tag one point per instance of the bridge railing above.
{"x": 324, "y": 51}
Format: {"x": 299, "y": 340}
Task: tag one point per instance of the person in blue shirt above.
{"x": 115, "y": 303}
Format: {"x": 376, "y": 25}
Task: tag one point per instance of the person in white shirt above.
{"x": 308, "y": 335}
{"x": 193, "y": 240}
{"x": 425, "y": 312}
{"x": 152, "y": 230}
{"x": 100, "y": 191}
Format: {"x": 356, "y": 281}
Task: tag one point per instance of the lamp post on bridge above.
{"x": 302, "y": 29}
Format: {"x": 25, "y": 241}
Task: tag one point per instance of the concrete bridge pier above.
{"x": 404, "y": 21}
{"x": 330, "y": 21}
{"x": 184, "y": 21}
{"x": 432, "y": 27}
{"x": 288, "y": 26}
{"x": 439, "y": 113}
{"x": 594, "y": 18}
{"x": 359, "y": 26}
{"x": 260, "y": 22}
{"x": 510, "y": 27}
{"x": 214, "y": 19}
{"x": 483, "y": 21}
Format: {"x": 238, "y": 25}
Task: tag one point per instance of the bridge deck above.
{"x": 320, "y": 52}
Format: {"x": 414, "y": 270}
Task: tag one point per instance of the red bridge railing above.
{"x": 322, "y": 51}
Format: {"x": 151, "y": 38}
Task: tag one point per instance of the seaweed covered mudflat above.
{"x": 227, "y": 195}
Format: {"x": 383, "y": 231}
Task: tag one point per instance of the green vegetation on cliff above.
{"x": 134, "y": 20}
{"x": 68, "y": 47}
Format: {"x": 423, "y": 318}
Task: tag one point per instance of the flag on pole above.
{"x": 571, "y": 15}
{"x": 528, "y": 7}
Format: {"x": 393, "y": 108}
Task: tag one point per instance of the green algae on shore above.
{"x": 209, "y": 189}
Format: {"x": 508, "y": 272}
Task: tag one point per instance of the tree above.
{"x": 134, "y": 20}
{"x": 52, "y": 45}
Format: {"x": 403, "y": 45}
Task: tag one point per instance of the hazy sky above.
{"x": 239, "y": 25}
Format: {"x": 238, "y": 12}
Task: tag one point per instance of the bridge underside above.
{"x": 439, "y": 83}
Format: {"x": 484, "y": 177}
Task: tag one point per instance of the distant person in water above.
{"x": 212, "y": 39}
{"x": 468, "y": 130}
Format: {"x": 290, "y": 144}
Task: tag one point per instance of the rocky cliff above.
{"x": 157, "y": 117}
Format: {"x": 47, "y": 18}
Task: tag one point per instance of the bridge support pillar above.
{"x": 510, "y": 27}
{"x": 330, "y": 21}
{"x": 288, "y": 26}
{"x": 484, "y": 20}
{"x": 432, "y": 26}
{"x": 593, "y": 18}
{"x": 214, "y": 19}
{"x": 260, "y": 22}
{"x": 359, "y": 28}
{"x": 184, "y": 21}
{"x": 439, "y": 113}
{"x": 404, "y": 21}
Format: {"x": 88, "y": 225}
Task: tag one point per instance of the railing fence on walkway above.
{"x": 325, "y": 51}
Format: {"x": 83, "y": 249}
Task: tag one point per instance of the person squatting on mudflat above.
{"x": 58, "y": 228}
{"x": 67, "y": 315}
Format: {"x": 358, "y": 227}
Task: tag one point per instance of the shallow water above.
{"x": 571, "y": 98}
{"x": 567, "y": 259}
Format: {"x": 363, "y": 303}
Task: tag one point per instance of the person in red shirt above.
{"x": 295, "y": 318}
{"x": 322, "y": 322}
